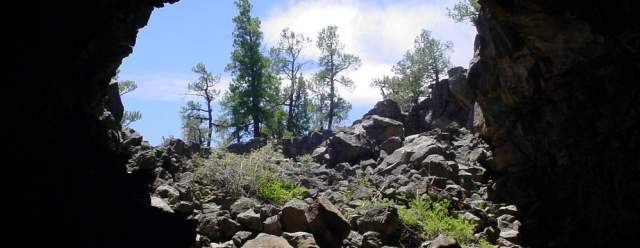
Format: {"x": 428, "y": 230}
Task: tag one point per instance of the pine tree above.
{"x": 252, "y": 90}
{"x": 425, "y": 64}
{"x": 194, "y": 115}
{"x": 125, "y": 87}
{"x": 465, "y": 11}
{"x": 333, "y": 61}
{"x": 287, "y": 62}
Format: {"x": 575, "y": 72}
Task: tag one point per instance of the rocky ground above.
{"x": 367, "y": 185}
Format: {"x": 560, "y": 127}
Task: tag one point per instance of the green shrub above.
{"x": 278, "y": 191}
{"x": 243, "y": 175}
{"x": 433, "y": 219}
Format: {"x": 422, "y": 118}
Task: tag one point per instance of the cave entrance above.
{"x": 181, "y": 35}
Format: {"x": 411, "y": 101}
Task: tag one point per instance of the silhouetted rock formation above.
{"x": 79, "y": 190}
{"x": 557, "y": 82}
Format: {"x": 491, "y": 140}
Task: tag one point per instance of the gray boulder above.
{"x": 264, "y": 240}
{"x": 250, "y": 220}
{"x": 327, "y": 223}
{"x": 242, "y": 205}
{"x": 383, "y": 220}
{"x": 293, "y": 216}
{"x": 301, "y": 240}
{"x": 389, "y": 109}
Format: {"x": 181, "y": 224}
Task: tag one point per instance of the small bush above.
{"x": 433, "y": 219}
{"x": 278, "y": 191}
{"x": 257, "y": 174}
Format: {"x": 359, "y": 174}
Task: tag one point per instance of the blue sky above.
{"x": 180, "y": 35}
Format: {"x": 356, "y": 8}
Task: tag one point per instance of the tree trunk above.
{"x": 331, "y": 102}
{"x": 210, "y": 122}
{"x": 291, "y": 105}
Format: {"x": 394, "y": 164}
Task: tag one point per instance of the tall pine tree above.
{"x": 249, "y": 101}
{"x": 287, "y": 62}
{"x": 333, "y": 61}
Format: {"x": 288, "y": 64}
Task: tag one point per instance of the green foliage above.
{"x": 483, "y": 243}
{"x": 278, "y": 191}
{"x": 433, "y": 219}
{"x": 287, "y": 63}
{"x": 246, "y": 175}
{"x": 465, "y": 11}
{"x": 425, "y": 64}
{"x": 129, "y": 117}
{"x": 252, "y": 97}
{"x": 197, "y": 120}
{"x": 333, "y": 61}
{"x": 125, "y": 87}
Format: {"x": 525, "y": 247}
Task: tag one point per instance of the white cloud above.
{"x": 163, "y": 87}
{"x": 379, "y": 33}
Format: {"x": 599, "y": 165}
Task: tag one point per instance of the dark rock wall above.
{"x": 557, "y": 82}
{"x": 65, "y": 142}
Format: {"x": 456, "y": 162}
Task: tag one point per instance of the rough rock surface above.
{"x": 555, "y": 83}
{"x": 78, "y": 184}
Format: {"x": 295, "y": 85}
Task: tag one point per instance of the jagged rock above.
{"x": 301, "y": 240}
{"x": 202, "y": 241}
{"x": 380, "y": 129}
{"x": 171, "y": 194}
{"x": 443, "y": 242}
{"x": 184, "y": 207}
{"x": 391, "y": 144}
{"x": 354, "y": 240}
{"x": 130, "y": 137}
{"x": 383, "y": 220}
{"x": 509, "y": 209}
{"x": 388, "y": 109}
{"x": 460, "y": 88}
{"x": 272, "y": 225}
{"x": 264, "y": 240}
{"x": 347, "y": 148}
{"x": 267, "y": 210}
{"x": 327, "y": 223}
{"x": 246, "y": 147}
{"x": 250, "y": 220}
{"x": 371, "y": 240}
{"x": 509, "y": 227}
{"x": 437, "y": 165}
{"x": 228, "y": 226}
{"x": 454, "y": 190}
{"x": 297, "y": 146}
{"x": 240, "y": 238}
{"x": 242, "y": 205}
{"x": 293, "y": 216}
{"x": 144, "y": 162}
{"x": 228, "y": 244}
{"x": 161, "y": 204}
{"x": 208, "y": 226}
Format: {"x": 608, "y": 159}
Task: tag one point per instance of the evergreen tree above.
{"x": 319, "y": 106}
{"x": 287, "y": 62}
{"x": 426, "y": 64}
{"x": 249, "y": 100}
{"x": 333, "y": 61}
{"x": 194, "y": 115}
{"x": 465, "y": 11}
{"x": 125, "y": 87}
